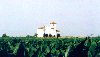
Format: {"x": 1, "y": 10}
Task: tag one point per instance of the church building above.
{"x": 48, "y": 31}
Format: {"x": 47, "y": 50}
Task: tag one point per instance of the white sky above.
{"x": 73, "y": 17}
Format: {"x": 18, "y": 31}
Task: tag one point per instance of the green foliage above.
{"x": 48, "y": 47}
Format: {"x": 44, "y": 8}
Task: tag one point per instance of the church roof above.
{"x": 53, "y": 22}
{"x": 41, "y": 28}
{"x": 57, "y": 30}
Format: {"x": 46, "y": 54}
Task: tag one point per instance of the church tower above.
{"x": 53, "y": 25}
{"x": 53, "y": 28}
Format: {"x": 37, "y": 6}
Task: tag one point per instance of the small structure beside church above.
{"x": 48, "y": 31}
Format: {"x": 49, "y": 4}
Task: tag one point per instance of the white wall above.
{"x": 47, "y": 30}
{"x": 40, "y": 32}
{"x": 53, "y": 32}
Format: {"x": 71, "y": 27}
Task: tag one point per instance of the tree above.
{"x": 50, "y": 35}
{"x": 4, "y": 35}
{"x": 46, "y": 35}
{"x": 58, "y": 35}
{"x": 35, "y": 34}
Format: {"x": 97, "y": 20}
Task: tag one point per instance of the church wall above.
{"x": 40, "y": 32}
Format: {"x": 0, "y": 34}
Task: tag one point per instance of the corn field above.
{"x": 49, "y": 47}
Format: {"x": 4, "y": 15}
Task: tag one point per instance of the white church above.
{"x": 48, "y": 31}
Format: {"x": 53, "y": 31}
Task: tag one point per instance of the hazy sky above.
{"x": 73, "y": 17}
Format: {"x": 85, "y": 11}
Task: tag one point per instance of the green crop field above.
{"x": 49, "y": 47}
